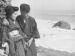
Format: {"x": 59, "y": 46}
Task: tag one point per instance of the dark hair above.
{"x": 25, "y": 8}
{"x": 10, "y": 10}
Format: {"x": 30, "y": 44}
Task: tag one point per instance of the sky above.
{"x": 48, "y": 4}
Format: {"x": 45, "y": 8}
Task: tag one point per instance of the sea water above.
{"x": 56, "y": 38}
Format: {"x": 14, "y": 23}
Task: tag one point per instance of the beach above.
{"x": 55, "y": 38}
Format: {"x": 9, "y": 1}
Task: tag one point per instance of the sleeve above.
{"x": 35, "y": 30}
{"x": 5, "y": 35}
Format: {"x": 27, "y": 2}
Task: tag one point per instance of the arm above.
{"x": 5, "y": 34}
{"x": 35, "y": 30}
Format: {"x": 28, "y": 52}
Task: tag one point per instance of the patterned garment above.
{"x": 16, "y": 45}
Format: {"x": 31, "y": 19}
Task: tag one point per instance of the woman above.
{"x": 15, "y": 35}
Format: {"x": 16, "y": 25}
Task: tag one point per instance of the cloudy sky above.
{"x": 48, "y": 4}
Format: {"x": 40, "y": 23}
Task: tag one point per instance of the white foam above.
{"x": 60, "y": 39}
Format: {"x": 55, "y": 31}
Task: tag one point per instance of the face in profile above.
{"x": 14, "y": 15}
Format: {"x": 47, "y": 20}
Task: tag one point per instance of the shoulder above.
{"x": 31, "y": 18}
{"x": 18, "y": 17}
{"x": 32, "y": 21}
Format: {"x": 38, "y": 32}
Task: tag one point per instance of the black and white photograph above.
{"x": 37, "y": 27}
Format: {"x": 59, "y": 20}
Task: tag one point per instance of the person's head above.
{"x": 10, "y": 11}
{"x": 24, "y": 8}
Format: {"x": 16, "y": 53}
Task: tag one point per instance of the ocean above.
{"x": 55, "y": 38}
{"x": 67, "y": 15}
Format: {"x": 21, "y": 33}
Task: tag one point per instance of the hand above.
{"x": 30, "y": 41}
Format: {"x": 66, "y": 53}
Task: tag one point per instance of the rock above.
{"x": 62, "y": 25}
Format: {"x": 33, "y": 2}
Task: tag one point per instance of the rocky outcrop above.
{"x": 62, "y": 25}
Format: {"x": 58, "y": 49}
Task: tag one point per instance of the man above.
{"x": 29, "y": 27}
